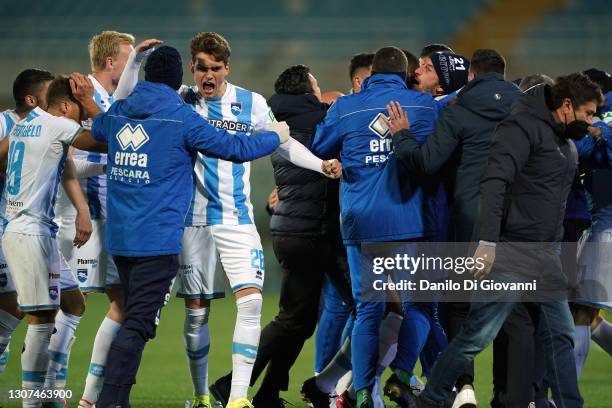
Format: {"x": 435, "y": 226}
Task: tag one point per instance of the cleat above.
{"x": 83, "y": 403}
{"x": 240, "y": 403}
{"x": 312, "y": 394}
{"x": 220, "y": 389}
{"x": 401, "y": 393}
{"x": 345, "y": 401}
{"x": 201, "y": 401}
{"x": 466, "y": 398}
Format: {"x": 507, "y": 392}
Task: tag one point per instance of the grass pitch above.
{"x": 163, "y": 379}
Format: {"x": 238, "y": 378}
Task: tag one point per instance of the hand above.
{"x": 82, "y": 87}
{"x": 83, "y": 228}
{"x": 273, "y": 198}
{"x": 485, "y": 255}
{"x": 398, "y": 119}
{"x": 147, "y": 45}
{"x": 595, "y": 132}
{"x": 332, "y": 168}
{"x": 281, "y": 129}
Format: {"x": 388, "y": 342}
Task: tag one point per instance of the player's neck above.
{"x": 105, "y": 80}
{"x": 22, "y": 113}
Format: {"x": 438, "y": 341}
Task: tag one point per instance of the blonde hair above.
{"x": 105, "y": 45}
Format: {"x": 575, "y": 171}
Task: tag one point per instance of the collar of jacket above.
{"x": 394, "y": 80}
{"x": 160, "y": 88}
{"x": 488, "y": 77}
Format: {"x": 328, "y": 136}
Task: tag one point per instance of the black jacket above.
{"x": 308, "y": 204}
{"x": 530, "y": 172}
{"x": 459, "y": 146}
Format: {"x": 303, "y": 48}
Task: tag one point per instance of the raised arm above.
{"x": 85, "y": 141}
{"x": 129, "y": 76}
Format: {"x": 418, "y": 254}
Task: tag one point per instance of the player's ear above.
{"x": 192, "y": 67}
{"x": 31, "y": 101}
{"x": 227, "y": 68}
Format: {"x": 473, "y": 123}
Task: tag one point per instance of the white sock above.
{"x": 246, "y": 341}
{"x": 602, "y": 335}
{"x": 340, "y": 365}
{"x": 95, "y": 378}
{"x": 35, "y": 359}
{"x": 582, "y": 343}
{"x": 376, "y": 395}
{"x": 59, "y": 350}
{"x": 8, "y": 324}
{"x": 197, "y": 343}
{"x": 389, "y": 333}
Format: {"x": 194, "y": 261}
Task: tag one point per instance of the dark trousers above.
{"x": 453, "y": 316}
{"x": 146, "y": 283}
{"x": 304, "y": 263}
{"x": 518, "y": 359}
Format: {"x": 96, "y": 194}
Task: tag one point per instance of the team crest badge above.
{"x": 3, "y": 280}
{"x": 82, "y": 275}
{"x": 53, "y": 293}
{"x": 236, "y": 108}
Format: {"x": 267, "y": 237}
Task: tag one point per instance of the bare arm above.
{"x": 72, "y": 188}
{"x": 4, "y": 147}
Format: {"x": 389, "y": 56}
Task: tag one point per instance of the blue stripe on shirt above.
{"x": 245, "y": 99}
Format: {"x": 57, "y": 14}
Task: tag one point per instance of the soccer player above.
{"x": 37, "y": 155}
{"x": 360, "y": 67}
{"x": 29, "y": 90}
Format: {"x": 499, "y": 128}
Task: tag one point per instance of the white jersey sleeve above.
{"x": 262, "y": 114}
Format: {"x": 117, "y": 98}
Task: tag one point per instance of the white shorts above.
{"x": 92, "y": 266}
{"x": 239, "y": 249}
{"x": 36, "y": 264}
{"x": 67, "y": 280}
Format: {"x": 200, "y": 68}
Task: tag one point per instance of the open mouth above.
{"x": 208, "y": 88}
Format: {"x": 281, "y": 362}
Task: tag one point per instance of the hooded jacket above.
{"x": 459, "y": 146}
{"x": 152, "y": 139}
{"x": 379, "y": 200}
{"x": 308, "y": 203}
{"x": 529, "y": 174}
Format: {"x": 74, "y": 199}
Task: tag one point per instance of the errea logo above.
{"x": 132, "y": 137}
{"x": 379, "y": 126}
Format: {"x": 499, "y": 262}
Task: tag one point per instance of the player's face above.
{"x": 118, "y": 63}
{"x": 209, "y": 75}
{"x": 427, "y": 78}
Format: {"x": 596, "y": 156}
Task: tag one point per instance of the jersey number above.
{"x": 257, "y": 259}
{"x": 15, "y": 163}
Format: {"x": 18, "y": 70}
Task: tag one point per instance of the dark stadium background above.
{"x": 535, "y": 36}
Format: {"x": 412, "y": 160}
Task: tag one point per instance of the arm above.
{"x": 72, "y": 189}
{"x": 129, "y": 76}
{"x": 509, "y": 152}
{"x": 200, "y": 135}
{"x": 424, "y": 158}
{"x": 4, "y": 147}
{"x": 85, "y": 169}
{"x": 327, "y": 141}
{"x": 85, "y": 141}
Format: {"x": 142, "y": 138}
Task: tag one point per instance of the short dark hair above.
{"x": 532, "y": 80}
{"x": 577, "y": 87}
{"x": 413, "y": 61}
{"x": 59, "y": 90}
{"x": 389, "y": 59}
{"x": 29, "y": 82}
{"x": 294, "y": 81}
{"x": 210, "y": 43}
{"x": 484, "y": 61}
{"x": 361, "y": 60}
{"x": 431, "y": 48}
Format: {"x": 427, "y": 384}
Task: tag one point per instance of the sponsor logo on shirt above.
{"x": 128, "y": 165}
{"x": 229, "y": 125}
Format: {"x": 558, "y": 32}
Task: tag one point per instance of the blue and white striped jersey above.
{"x": 222, "y": 188}
{"x": 8, "y": 118}
{"x": 37, "y": 153}
{"x": 94, "y": 187}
